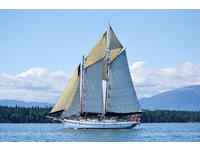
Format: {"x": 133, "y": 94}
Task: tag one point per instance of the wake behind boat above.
{"x": 83, "y": 103}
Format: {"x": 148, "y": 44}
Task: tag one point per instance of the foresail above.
{"x": 98, "y": 52}
{"x": 67, "y": 98}
{"x": 122, "y": 97}
{"x": 73, "y": 105}
{"x": 93, "y": 92}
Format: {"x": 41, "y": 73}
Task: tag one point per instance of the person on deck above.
{"x": 133, "y": 118}
{"x": 99, "y": 117}
{"x": 86, "y": 116}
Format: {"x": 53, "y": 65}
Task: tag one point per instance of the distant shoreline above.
{"x": 38, "y": 115}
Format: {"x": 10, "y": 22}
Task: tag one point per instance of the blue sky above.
{"x": 164, "y": 44}
{"x": 57, "y": 39}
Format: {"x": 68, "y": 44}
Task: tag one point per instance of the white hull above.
{"x": 90, "y": 124}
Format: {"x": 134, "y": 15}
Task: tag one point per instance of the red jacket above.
{"x": 85, "y": 115}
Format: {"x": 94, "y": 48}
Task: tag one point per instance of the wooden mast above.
{"x": 108, "y": 69}
{"x": 82, "y": 84}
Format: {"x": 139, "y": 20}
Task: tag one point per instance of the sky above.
{"x": 40, "y": 49}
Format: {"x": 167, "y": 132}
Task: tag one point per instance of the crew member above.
{"x": 86, "y": 116}
{"x": 99, "y": 117}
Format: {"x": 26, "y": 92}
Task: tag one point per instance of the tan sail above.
{"x": 67, "y": 97}
{"x": 73, "y": 104}
{"x": 114, "y": 43}
{"x": 98, "y": 52}
{"x": 115, "y": 48}
{"x": 104, "y": 69}
{"x": 114, "y": 53}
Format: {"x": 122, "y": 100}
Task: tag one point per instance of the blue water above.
{"x": 149, "y": 132}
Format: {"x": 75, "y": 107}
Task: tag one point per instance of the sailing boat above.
{"x": 83, "y": 104}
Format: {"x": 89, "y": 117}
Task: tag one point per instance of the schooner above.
{"x": 83, "y": 104}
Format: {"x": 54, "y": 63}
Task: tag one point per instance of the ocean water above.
{"x": 148, "y": 132}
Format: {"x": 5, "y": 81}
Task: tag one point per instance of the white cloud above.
{"x": 150, "y": 81}
{"x": 38, "y": 84}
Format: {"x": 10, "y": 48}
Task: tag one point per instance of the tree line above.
{"x": 24, "y": 114}
{"x": 163, "y": 116}
{"x": 38, "y": 115}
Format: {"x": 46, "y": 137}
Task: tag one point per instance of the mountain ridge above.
{"x": 13, "y": 103}
{"x": 185, "y": 98}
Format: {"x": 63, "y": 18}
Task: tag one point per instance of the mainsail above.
{"x": 121, "y": 94}
{"x": 92, "y": 101}
{"x": 70, "y": 96}
{"x": 93, "y": 92}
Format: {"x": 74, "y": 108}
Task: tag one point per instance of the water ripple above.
{"x": 150, "y": 132}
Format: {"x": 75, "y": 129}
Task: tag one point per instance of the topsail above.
{"x": 113, "y": 41}
{"x": 114, "y": 45}
{"x": 115, "y": 48}
{"x": 98, "y": 52}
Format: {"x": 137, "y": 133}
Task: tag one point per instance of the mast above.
{"x": 82, "y": 85}
{"x": 108, "y": 69}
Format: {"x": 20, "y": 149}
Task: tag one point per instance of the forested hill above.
{"x": 24, "y": 115}
{"x": 38, "y": 115}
